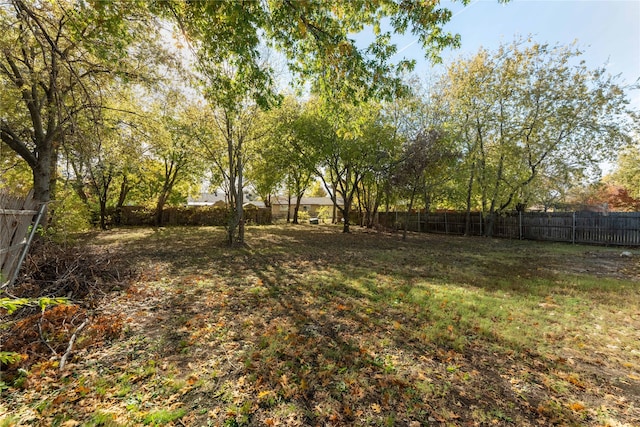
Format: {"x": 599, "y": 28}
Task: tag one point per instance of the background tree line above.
{"x": 111, "y": 103}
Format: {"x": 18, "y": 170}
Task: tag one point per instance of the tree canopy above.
{"x": 84, "y": 103}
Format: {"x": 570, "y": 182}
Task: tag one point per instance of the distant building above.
{"x": 310, "y": 205}
{"x": 217, "y": 198}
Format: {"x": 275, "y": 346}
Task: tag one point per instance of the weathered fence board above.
{"x": 612, "y": 228}
{"x": 16, "y": 215}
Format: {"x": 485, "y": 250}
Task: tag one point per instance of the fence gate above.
{"x": 16, "y": 215}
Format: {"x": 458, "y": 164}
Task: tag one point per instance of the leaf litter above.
{"x": 307, "y": 326}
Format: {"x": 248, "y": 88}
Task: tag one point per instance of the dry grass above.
{"x": 308, "y": 326}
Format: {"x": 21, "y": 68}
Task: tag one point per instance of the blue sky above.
{"x": 608, "y": 31}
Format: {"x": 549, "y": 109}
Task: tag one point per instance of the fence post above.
{"x": 446, "y": 226}
{"x": 573, "y": 229}
{"x": 520, "y": 225}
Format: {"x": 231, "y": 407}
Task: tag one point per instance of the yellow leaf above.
{"x": 264, "y": 394}
{"x": 376, "y": 408}
{"x": 576, "y": 407}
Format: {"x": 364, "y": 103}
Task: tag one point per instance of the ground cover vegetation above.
{"x": 310, "y": 326}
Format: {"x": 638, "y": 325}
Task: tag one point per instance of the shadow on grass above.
{"x": 332, "y": 326}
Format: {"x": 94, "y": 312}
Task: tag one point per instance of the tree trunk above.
{"x": 345, "y": 214}
{"x": 124, "y": 190}
{"x": 103, "y": 214}
{"x": 406, "y": 219}
{"x": 240, "y": 201}
{"x": 296, "y": 209}
{"x": 467, "y": 221}
{"x": 345, "y": 219}
{"x": 42, "y": 181}
{"x": 159, "y": 209}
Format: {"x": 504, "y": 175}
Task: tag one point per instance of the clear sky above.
{"x": 608, "y": 31}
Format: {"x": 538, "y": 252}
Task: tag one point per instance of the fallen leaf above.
{"x": 577, "y": 407}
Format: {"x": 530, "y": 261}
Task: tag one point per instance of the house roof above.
{"x": 206, "y": 199}
{"x": 317, "y": 201}
{"x": 255, "y": 203}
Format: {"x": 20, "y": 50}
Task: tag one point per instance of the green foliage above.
{"x": 525, "y": 112}
{"x": 314, "y": 36}
{"x": 163, "y": 416}
{"x": 627, "y": 170}
{"x": 102, "y": 419}
{"x": 15, "y": 172}
{"x": 69, "y": 214}
{"x": 66, "y": 58}
{"x": 12, "y": 304}
{"x": 9, "y": 358}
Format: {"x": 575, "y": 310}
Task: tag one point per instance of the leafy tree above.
{"x": 15, "y": 175}
{"x": 316, "y": 190}
{"x": 174, "y": 144}
{"x": 57, "y": 59}
{"x": 627, "y": 170}
{"x": 101, "y": 153}
{"x": 314, "y": 36}
{"x": 232, "y": 128}
{"x": 421, "y": 159}
{"x": 275, "y": 162}
{"x": 526, "y": 109}
{"x": 346, "y": 145}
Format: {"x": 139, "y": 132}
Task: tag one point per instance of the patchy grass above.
{"x": 308, "y": 326}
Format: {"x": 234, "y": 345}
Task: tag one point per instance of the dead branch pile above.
{"x": 82, "y": 274}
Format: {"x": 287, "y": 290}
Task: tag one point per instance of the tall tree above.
{"x": 347, "y": 144}
{"x": 423, "y": 161}
{"x": 627, "y": 170}
{"x": 234, "y": 124}
{"x": 174, "y": 144}
{"x": 525, "y": 108}
{"x": 56, "y": 60}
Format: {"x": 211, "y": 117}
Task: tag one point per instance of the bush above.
{"x": 69, "y": 215}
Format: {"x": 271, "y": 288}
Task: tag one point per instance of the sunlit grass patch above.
{"x": 307, "y": 326}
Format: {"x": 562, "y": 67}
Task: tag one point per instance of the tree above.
{"x": 102, "y": 154}
{"x": 233, "y": 121}
{"x": 523, "y": 110}
{"x": 173, "y": 143}
{"x": 317, "y": 190}
{"x": 314, "y": 37}
{"x": 57, "y": 58}
{"x": 421, "y": 160}
{"x": 627, "y": 170}
{"x": 344, "y": 146}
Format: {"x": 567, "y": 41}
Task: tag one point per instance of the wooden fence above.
{"x": 613, "y": 228}
{"x": 16, "y": 216}
{"x": 190, "y": 215}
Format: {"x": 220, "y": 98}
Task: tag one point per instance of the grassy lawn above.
{"x": 308, "y": 326}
